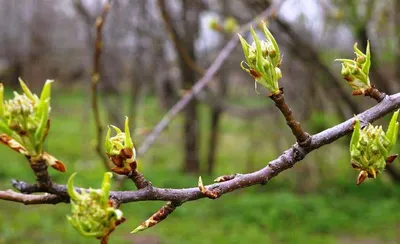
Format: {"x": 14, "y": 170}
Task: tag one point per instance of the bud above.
{"x": 356, "y": 72}
{"x": 214, "y": 25}
{"x": 24, "y": 120}
{"x": 212, "y": 194}
{"x": 370, "y": 148}
{"x": 120, "y": 149}
{"x": 25, "y": 117}
{"x": 157, "y": 217}
{"x": 230, "y": 25}
{"x": 92, "y": 212}
{"x": 262, "y": 60}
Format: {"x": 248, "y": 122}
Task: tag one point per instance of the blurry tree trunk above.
{"x": 136, "y": 87}
{"x": 191, "y": 123}
{"x": 137, "y": 69}
{"x": 216, "y": 111}
{"x": 252, "y": 148}
{"x": 184, "y": 44}
{"x": 216, "y": 114}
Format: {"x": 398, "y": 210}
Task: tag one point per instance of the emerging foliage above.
{"x": 120, "y": 149}
{"x": 370, "y": 148}
{"x": 356, "y": 72}
{"x": 92, "y": 212}
{"x": 24, "y": 120}
{"x": 263, "y": 60}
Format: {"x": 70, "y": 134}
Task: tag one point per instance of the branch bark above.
{"x": 46, "y": 198}
{"x": 285, "y": 161}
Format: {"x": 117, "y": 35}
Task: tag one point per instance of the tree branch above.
{"x": 46, "y": 198}
{"x": 285, "y": 161}
{"x": 302, "y": 137}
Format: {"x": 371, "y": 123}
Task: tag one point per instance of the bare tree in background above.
{"x": 217, "y": 111}
{"x": 185, "y": 49}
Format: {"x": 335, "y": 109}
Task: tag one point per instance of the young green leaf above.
{"x": 245, "y": 47}
{"x": 26, "y": 90}
{"x": 356, "y": 135}
{"x": 70, "y": 188}
{"x": 393, "y": 129}
{"x": 128, "y": 139}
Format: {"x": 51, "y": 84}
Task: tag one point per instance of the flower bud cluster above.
{"x": 370, "y": 148}
{"x": 92, "y": 212}
{"x": 263, "y": 60}
{"x": 120, "y": 150}
{"x": 356, "y": 72}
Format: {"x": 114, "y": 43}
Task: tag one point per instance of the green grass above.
{"x": 293, "y": 208}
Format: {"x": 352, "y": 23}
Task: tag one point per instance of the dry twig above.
{"x": 98, "y": 46}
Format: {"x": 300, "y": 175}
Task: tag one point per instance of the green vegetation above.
{"x": 293, "y": 208}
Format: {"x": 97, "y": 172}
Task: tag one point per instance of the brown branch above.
{"x": 285, "y": 161}
{"x": 374, "y": 93}
{"x": 303, "y": 138}
{"x": 139, "y": 179}
{"x": 46, "y": 198}
{"x": 98, "y": 46}
{"x": 39, "y": 167}
{"x": 200, "y": 84}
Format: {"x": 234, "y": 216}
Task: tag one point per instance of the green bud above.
{"x": 26, "y": 90}
{"x": 356, "y": 72}
{"x": 122, "y": 140}
{"x": 25, "y": 117}
{"x": 120, "y": 149}
{"x": 92, "y": 214}
{"x": 370, "y": 147}
{"x": 230, "y": 25}
{"x": 128, "y": 139}
{"x": 263, "y": 60}
{"x": 214, "y": 25}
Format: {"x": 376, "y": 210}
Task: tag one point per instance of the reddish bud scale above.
{"x": 59, "y": 166}
{"x": 224, "y": 178}
{"x": 212, "y": 194}
{"x": 117, "y": 160}
{"x": 157, "y": 217}
{"x": 361, "y": 177}
{"x": 121, "y": 171}
{"x": 390, "y": 159}
{"x": 255, "y": 74}
{"x": 11, "y": 143}
{"x": 126, "y": 153}
{"x": 357, "y": 93}
{"x": 348, "y": 78}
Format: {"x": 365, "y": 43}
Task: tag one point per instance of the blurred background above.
{"x": 229, "y": 128}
